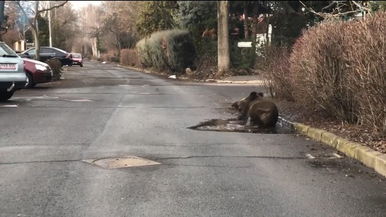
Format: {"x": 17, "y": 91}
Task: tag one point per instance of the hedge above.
{"x": 169, "y": 50}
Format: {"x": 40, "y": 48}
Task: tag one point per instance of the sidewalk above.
{"x": 241, "y": 79}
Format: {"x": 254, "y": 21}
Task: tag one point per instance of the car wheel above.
{"x": 81, "y": 65}
{"x": 30, "y": 82}
{"x": 5, "y": 95}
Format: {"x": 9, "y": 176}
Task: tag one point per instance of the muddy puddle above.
{"x": 235, "y": 125}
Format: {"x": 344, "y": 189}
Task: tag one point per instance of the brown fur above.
{"x": 260, "y": 112}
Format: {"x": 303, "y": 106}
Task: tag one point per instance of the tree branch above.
{"x": 361, "y": 6}
{"x": 53, "y": 7}
{"x": 323, "y": 15}
{"x": 25, "y": 14}
{"x": 337, "y": 10}
{"x": 328, "y": 6}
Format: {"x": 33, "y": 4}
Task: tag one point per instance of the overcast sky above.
{"x": 80, "y": 4}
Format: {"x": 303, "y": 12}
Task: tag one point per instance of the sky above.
{"x": 80, "y": 4}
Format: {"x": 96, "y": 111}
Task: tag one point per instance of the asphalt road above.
{"x": 101, "y": 111}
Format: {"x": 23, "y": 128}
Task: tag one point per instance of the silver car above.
{"x": 12, "y": 75}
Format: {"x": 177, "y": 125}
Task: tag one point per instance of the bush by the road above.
{"x": 129, "y": 57}
{"x": 109, "y": 57}
{"x": 170, "y": 50}
{"x": 340, "y": 67}
{"x": 275, "y": 64}
{"x": 56, "y": 67}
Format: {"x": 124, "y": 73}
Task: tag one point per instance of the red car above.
{"x": 77, "y": 59}
{"x": 37, "y": 72}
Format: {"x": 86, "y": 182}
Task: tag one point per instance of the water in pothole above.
{"x": 235, "y": 125}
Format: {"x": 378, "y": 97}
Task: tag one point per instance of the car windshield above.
{"x": 31, "y": 51}
{"x": 76, "y": 55}
{"x": 5, "y": 51}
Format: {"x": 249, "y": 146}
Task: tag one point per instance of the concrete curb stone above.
{"x": 364, "y": 154}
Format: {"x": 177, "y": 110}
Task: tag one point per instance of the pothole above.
{"x": 235, "y": 125}
{"x": 121, "y": 162}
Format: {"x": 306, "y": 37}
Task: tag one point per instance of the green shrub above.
{"x": 242, "y": 57}
{"x": 129, "y": 57}
{"x": 170, "y": 50}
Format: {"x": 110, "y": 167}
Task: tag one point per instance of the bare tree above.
{"x": 339, "y": 9}
{"x": 223, "y": 37}
{"x": 33, "y": 22}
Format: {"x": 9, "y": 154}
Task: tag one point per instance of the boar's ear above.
{"x": 261, "y": 94}
{"x": 235, "y": 105}
{"x": 252, "y": 95}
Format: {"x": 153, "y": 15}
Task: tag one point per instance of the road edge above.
{"x": 369, "y": 157}
{"x": 219, "y": 81}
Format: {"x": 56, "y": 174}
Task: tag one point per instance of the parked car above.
{"x": 49, "y": 53}
{"x": 12, "y": 75}
{"x": 77, "y": 59}
{"x": 37, "y": 72}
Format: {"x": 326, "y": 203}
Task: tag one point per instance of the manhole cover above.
{"x": 121, "y": 162}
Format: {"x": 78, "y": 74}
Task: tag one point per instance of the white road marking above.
{"x": 9, "y": 106}
{"x": 309, "y": 156}
{"x": 80, "y": 100}
{"x": 337, "y": 155}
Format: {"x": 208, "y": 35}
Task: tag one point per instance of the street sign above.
{"x": 244, "y": 44}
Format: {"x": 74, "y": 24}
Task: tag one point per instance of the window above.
{"x": 31, "y": 52}
{"x": 47, "y": 51}
{"x": 5, "y": 50}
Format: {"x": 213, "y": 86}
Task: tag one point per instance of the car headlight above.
{"x": 40, "y": 67}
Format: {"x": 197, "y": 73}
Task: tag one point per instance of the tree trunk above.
{"x": 223, "y": 37}
{"x": 254, "y": 23}
{"x": 35, "y": 34}
{"x": 246, "y": 27}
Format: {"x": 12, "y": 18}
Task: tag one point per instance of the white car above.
{"x": 12, "y": 75}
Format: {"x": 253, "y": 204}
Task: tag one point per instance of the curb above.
{"x": 250, "y": 82}
{"x": 256, "y": 82}
{"x": 364, "y": 154}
